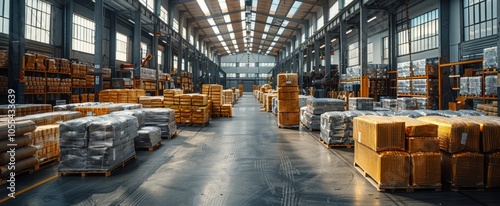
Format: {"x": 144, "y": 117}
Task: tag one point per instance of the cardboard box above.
{"x": 288, "y": 106}
{"x": 288, "y": 118}
{"x": 422, "y": 144}
{"x": 455, "y": 135}
{"x": 417, "y": 128}
{"x": 379, "y": 133}
{"x": 288, "y": 80}
{"x": 492, "y": 178}
{"x": 464, "y": 169}
{"x": 490, "y": 131}
{"x": 388, "y": 168}
{"x": 426, "y": 169}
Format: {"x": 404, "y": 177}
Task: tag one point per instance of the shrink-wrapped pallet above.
{"x": 112, "y": 130}
{"x": 319, "y": 106}
{"x": 275, "y": 106}
{"x": 288, "y": 80}
{"x": 46, "y": 140}
{"x": 492, "y": 170}
{"x": 422, "y": 144}
{"x": 455, "y": 135}
{"x": 379, "y": 133}
{"x": 417, "y": 128}
{"x": 490, "y": 132}
{"x": 303, "y": 100}
{"x": 406, "y": 103}
{"x": 106, "y": 158}
{"x": 408, "y": 113}
{"x": 361, "y": 103}
{"x": 147, "y": 137}
{"x": 337, "y": 127}
{"x": 288, "y": 118}
{"x": 269, "y": 101}
{"x": 425, "y": 169}
{"x": 74, "y": 133}
{"x": 391, "y": 104}
{"x": 387, "y": 168}
{"x": 463, "y": 169}
{"x": 21, "y": 127}
{"x": 490, "y": 58}
{"x": 163, "y": 118}
{"x": 138, "y": 113}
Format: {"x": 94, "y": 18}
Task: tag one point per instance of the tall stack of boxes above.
{"x": 216, "y": 97}
{"x": 169, "y": 96}
{"x": 200, "y": 110}
{"x": 288, "y": 100}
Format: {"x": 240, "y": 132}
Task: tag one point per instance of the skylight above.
{"x": 203, "y": 7}
{"x": 220, "y": 38}
{"x": 264, "y": 36}
{"x": 280, "y": 31}
{"x": 227, "y": 18}
{"x": 254, "y": 5}
{"x": 211, "y": 21}
{"x": 274, "y": 6}
{"x": 230, "y": 27}
{"x": 276, "y": 38}
{"x": 285, "y": 23}
{"x": 294, "y": 9}
{"x": 242, "y": 4}
{"x": 269, "y": 20}
{"x": 223, "y": 6}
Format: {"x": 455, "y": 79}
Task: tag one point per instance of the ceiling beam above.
{"x": 217, "y": 15}
{"x": 256, "y": 21}
{"x": 236, "y": 31}
{"x": 281, "y": 17}
{"x": 176, "y": 2}
{"x": 313, "y": 2}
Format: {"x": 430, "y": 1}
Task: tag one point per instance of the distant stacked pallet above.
{"x": 240, "y": 89}
{"x": 151, "y": 101}
{"x": 169, "y": 97}
{"x": 26, "y": 109}
{"x": 226, "y": 110}
{"x": 23, "y": 158}
{"x": 288, "y": 101}
{"x": 201, "y": 115}
{"x": 315, "y": 108}
{"x": 4, "y": 58}
{"x": 97, "y": 144}
{"x": 121, "y": 95}
{"x": 227, "y": 96}
{"x": 98, "y": 110}
{"x": 488, "y": 109}
{"x": 46, "y": 141}
{"x": 50, "y": 117}
{"x": 217, "y": 99}
{"x": 185, "y": 81}
{"x": 163, "y": 118}
{"x": 269, "y": 101}
{"x": 361, "y": 103}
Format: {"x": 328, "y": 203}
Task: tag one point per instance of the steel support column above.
{"x": 99, "y": 26}
{"x": 301, "y": 69}
{"x": 16, "y": 50}
{"x": 112, "y": 42}
{"x": 154, "y": 46}
{"x": 444, "y": 47}
{"x": 68, "y": 29}
{"x": 309, "y": 59}
{"x": 316, "y": 57}
{"x": 363, "y": 45}
{"x": 498, "y": 53}
{"x": 343, "y": 47}
{"x": 393, "y": 61}
{"x": 136, "y": 45}
{"x": 328, "y": 47}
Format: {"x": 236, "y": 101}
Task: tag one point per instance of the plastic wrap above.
{"x": 492, "y": 170}
{"x": 377, "y": 70}
{"x": 275, "y": 106}
{"x": 417, "y": 128}
{"x": 379, "y": 133}
{"x": 404, "y": 86}
{"x": 490, "y": 85}
{"x": 464, "y": 169}
{"x": 408, "y": 113}
{"x": 490, "y": 131}
{"x": 353, "y": 72}
{"x": 303, "y": 100}
{"x": 490, "y": 58}
{"x": 74, "y": 133}
{"x": 361, "y": 103}
{"x": 112, "y": 130}
{"x": 321, "y": 105}
{"x": 475, "y": 86}
{"x": 466, "y": 112}
{"x": 422, "y": 144}
{"x": 106, "y": 158}
{"x": 419, "y": 67}
{"x": 46, "y": 140}
{"x": 455, "y": 135}
{"x": 388, "y": 168}
{"x": 425, "y": 169}
{"x": 391, "y": 104}
{"x": 406, "y": 103}
{"x": 464, "y": 86}
{"x": 137, "y": 113}
{"x": 403, "y": 69}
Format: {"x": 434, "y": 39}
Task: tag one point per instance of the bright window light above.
{"x": 280, "y": 31}
{"x": 242, "y": 4}
{"x": 204, "y": 7}
{"x": 371, "y": 19}
{"x": 266, "y": 28}
{"x": 211, "y": 21}
{"x": 274, "y": 6}
{"x": 294, "y": 9}
{"x": 269, "y": 20}
{"x": 285, "y": 23}
{"x": 264, "y": 36}
{"x": 227, "y": 18}
{"x": 254, "y": 5}
{"x": 232, "y": 36}
{"x": 276, "y": 38}
{"x": 216, "y": 30}
{"x": 220, "y": 38}
{"x": 223, "y": 6}
{"x": 230, "y": 27}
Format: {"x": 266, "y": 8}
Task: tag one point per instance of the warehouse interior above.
{"x": 218, "y": 102}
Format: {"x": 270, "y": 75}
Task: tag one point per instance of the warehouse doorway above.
{"x": 248, "y": 85}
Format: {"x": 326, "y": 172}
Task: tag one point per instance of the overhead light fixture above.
{"x": 322, "y": 46}
{"x": 333, "y": 40}
{"x": 371, "y": 19}
{"x": 150, "y": 34}
{"x": 349, "y": 31}
{"x": 131, "y": 21}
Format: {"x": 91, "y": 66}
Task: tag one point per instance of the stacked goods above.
{"x": 461, "y": 164}
{"x": 26, "y": 109}
{"x": 226, "y": 110}
{"x": 97, "y": 143}
{"x": 240, "y": 88}
{"x": 490, "y": 85}
{"x": 205, "y": 89}
{"x": 391, "y": 104}
{"x": 422, "y": 143}
{"x": 89, "y": 81}
{"x": 275, "y": 105}
{"x": 319, "y": 106}
{"x": 201, "y": 115}
{"x": 50, "y": 64}
{"x": 288, "y": 100}
{"x": 235, "y": 96}
{"x": 151, "y": 101}
{"x": 34, "y": 84}
{"x": 71, "y": 107}
{"x": 98, "y": 110}
{"x": 379, "y": 150}
{"x": 40, "y": 62}
{"x": 46, "y": 141}
{"x": 336, "y": 127}
{"x": 488, "y": 109}
{"x": 106, "y": 73}
{"x": 148, "y": 137}
{"x": 4, "y": 58}
{"x": 199, "y": 100}
{"x": 78, "y": 70}
{"x": 137, "y": 113}
{"x": 29, "y": 61}
{"x": 185, "y": 100}
{"x": 406, "y": 103}
{"x": 269, "y": 101}
{"x": 127, "y": 106}
{"x": 216, "y": 97}
{"x": 84, "y": 97}
{"x": 163, "y": 118}
{"x": 311, "y": 121}
{"x": 58, "y": 85}
{"x": 492, "y": 167}
{"x": 360, "y": 103}
{"x": 490, "y": 58}
{"x": 168, "y": 96}
{"x": 64, "y": 65}
{"x": 24, "y": 153}
{"x": 303, "y": 100}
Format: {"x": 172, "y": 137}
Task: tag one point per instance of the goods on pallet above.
{"x": 492, "y": 167}
{"x": 4, "y": 59}
{"x": 391, "y": 104}
{"x": 489, "y": 128}
{"x": 379, "y": 133}
{"x": 216, "y": 97}
{"x": 490, "y": 85}
{"x": 406, "y": 103}
{"x": 417, "y": 128}
{"x": 455, "y": 135}
{"x": 24, "y": 153}
{"x": 227, "y": 96}
{"x": 488, "y": 109}
{"x": 137, "y": 113}
{"x": 240, "y": 88}
{"x": 404, "y": 86}
{"x": 377, "y": 71}
{"x": 490, "y": 58}
{"x": 319, "y": 106}
{"x": 403, "y": 70}
{"x": 121, "y": 95}
{"x": 361, "y": 103}
{"x": 147, "y": 137}
{"x": 311, "y": 121}
{"x": 97, "y": 143}
{"x": 422, "y": 144}
{"x": 288, "y": 80}
{"x": 151, "y": 101}
{"x": 199, "y": 100}
{"x": 46, "y": 141}
{"x": 163, "y": 118}
{"x": 50, "y": 117}
{"x": 275, "y": 105}
{"x": 226, "y": 110}
{"x": 98, "y": 110}
{"x": 463, "y": 169}
{"x": 269, "y": 101}
{"x": 26, "y": 109}
{"x": 387, "y": 168}
{"x": 303, "y": 100}
{"x": 288, "y": 104}
{"x": 337, "y": 127}
{"x": 169, "y": 94}
{"x": 425, "y": 169}
{"x": 201, "y": 115}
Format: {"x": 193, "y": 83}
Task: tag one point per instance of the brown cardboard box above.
{"x": 379, "y": 133}
{"x": 422, "y": 144}
{"x": 288, "y": 106}
{"x": 288, "y": 89}
{"x": 492, "y": 178}
{"x": 417, "y": 128}
{"x": 490, "y": 131}
{"x": 464, "y": 169}
{"x": 455, "y": 135}
{"x": 288, "y": 80}
{"x": 425, "y": 169}
{"x": 288, "y": 118}
{"x": 388, "y": 168}
{"x": 288, "y": 95}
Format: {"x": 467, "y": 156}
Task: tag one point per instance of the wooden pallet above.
{"x": 106, "y": 173}
{"x": 462, "y": 188}
{"x": 47, "y": 162}
{"x": 331, "y": 146}
{"x": 308, "y": 128}
{"x": 150, "y": 148}
{"x": 171, "y": 136}
{"x": 289, "y": 127}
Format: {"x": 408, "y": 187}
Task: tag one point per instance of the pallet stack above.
{"x": 25, "y": 158}
{"x": 226, "y": 110}
{"x": 46, "y": 140}
{"x": 151, "y": 101}
{"x": 288, "y": 100}
{"x": 462, "y": 164}
{"x": 98, "y": 110}
{"x": 169, "y": 96}
{"x": 315, "y": 108}
{"x": 227, "y": 96}
{"x": 269, "y": 101}
{"x": 240, "y": 88}
{"x": 216, "y": 97}
{"x": 163, "y": 118}
{"x": 4, "y": 58}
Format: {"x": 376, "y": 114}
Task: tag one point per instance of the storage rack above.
{"x": 431, "y": 80}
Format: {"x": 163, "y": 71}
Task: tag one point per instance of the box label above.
{"x": 359, "y": 136}
{"x": 464, "y": 138}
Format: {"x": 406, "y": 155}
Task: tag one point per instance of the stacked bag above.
{"x": 24, "y": 153}
{"x": 317, "y": 106}
{"x": 288, "y": 100}
{"x": 163, "y": 118}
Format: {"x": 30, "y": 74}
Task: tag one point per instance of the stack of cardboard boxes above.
{"x": 288, "y": 100}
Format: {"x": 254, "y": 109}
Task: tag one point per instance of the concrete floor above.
{"x": 243, "y": 160}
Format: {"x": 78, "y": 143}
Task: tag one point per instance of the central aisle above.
{"x": 243, "y": 160}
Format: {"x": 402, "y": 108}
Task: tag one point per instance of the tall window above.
{"x": 385, "y": 48}
{"x": 38, "y": 21}
{"x": 353, "y": 54}
{"x": 175, "y": 25}
{"x": 4, "y": 16}
{"x": 150, "y": 4}
{"x": 160, "y": 58}
{"x": 121, "y": 47}
{"x": 370, "y": 52}
{"x": 480, "y": 18}
{"x": 83, "y": 34}
{"x": 321, "y": 22}
{"x": 424, "y": 33}
{"x": 334, "y": 10}
{"x": 164, "y": 14}
{"x": 144, "y": 50}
